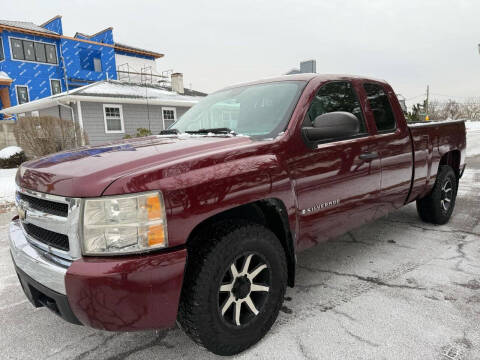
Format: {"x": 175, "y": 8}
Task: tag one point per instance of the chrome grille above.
{"x": 47, "y": 237}
{"x": 50, "y": 222}
{"x": 46, "y": 206}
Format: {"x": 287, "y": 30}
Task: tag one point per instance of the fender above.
{"x": 194, "y": 195}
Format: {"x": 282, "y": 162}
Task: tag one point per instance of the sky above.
{"x": 216, "y": 43}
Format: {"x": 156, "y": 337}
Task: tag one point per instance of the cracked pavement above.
{"x": 394, "y": 289}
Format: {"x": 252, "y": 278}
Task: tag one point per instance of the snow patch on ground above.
{"x": 9, "y": 151}
{"x": 472, "y": 125}
{"x": 7, "y": 186}
{"x": 473, "y": 143}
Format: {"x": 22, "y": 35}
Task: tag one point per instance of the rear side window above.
{"x": 380, "y": 106}
{"x": 335, "y": 96}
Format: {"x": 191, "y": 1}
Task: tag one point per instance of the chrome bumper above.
{"x": 39, "y": 265}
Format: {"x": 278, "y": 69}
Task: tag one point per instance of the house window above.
{"x": 2, "y": 55}
{"x": 28, "y": 50}
{"x": 22, "y": 94}
{"x": 17, "y": 49}
{"x": 90, "y": 60}
{"x": 33, "y": 51}
{"x": 51, "y": 51}
{"x": 55, "y": 86}
{"x": 169, "y": 116}
{"x": 40, "y": 54}
{"x": 97, "y": 64}
{"x": 113, "y": 116}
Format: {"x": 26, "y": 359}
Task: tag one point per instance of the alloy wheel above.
{"x": 446, "y": 195}
{"x": 244, "y": 289}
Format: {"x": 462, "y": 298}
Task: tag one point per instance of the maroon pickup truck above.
{"x": 201, "y": 223}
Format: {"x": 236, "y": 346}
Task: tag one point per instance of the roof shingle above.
{"x": 26, "y": 26}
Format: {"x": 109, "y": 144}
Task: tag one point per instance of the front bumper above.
{"x": 117, "y": 294}
{"x": 34, "y": 262}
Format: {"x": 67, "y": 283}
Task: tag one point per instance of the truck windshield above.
{"x": 261, "y": 110}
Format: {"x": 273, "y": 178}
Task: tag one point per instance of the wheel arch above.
{"x": 271, "y": 213}
{"x": 452, "y": 159}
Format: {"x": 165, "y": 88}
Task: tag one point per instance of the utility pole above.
{"x": 426, "y": 104}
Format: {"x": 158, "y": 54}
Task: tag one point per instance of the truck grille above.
{"x": 48, "y": 237}
{"x": 49, "y": 207}
{"x": 50, "y": 222}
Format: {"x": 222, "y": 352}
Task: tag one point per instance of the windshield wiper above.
{"x": 212, "y": 131}
{"x": 170, "y": 132}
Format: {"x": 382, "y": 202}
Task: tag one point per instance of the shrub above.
{"x": 44, "y": 135}
{"x": 143, "y": 132}
{"x": 11, "y": 157}
{"x": 140, "y": 133}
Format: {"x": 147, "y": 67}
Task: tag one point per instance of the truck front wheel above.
{"x": 234, "y": 286}
{"x": 437, "y": 207}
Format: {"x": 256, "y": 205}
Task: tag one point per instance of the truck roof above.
{"x": 307, "y": 77}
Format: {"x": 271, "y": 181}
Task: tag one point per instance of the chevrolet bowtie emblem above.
{"x": 22, "y": 209}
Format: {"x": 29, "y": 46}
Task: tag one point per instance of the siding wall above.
{"x": 57, "y": 111}
{"x": 134, "y": 116}
{"x": 6, "y": 133}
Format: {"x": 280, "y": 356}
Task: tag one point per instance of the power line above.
{"x": 456, "y": 96}
{"x": 416, "y": 96}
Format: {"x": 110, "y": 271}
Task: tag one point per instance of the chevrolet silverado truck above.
{"x": 201, "y": 223}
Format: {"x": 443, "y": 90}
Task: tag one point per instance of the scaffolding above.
{"x": 146, "y": 75}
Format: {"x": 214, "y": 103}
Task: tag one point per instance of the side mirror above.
{"x": 337, "y": 124}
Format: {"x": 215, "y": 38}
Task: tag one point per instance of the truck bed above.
{"x": 430, "y": 141}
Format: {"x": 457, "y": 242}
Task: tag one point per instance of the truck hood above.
{"x": 87, "y": 171}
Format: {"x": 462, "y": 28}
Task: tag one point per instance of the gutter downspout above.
{"x": 80, "y": 122}
{"x": 73, "y": 118}
{"x": 68, "y": 90}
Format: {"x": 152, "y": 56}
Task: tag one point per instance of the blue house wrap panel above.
{"x": 36, "y": 76}
{"x": 80, "y": 36}
{"x": 105, "y": 36}
{"x": 79, "y": 61}
{"x": 54, "y": 25}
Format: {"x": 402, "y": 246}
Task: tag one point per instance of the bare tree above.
{"x": 471, "y": 109}
{"x": 452, "y": 110}
{"x": 39, "y": 136}
{"x": 435, "y": 110}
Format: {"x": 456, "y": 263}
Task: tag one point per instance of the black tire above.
{"x": 209, "y": 262}
{"x": 437, "y": 207}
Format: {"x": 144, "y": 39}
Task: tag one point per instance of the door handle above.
{"x": 369, "y": 155}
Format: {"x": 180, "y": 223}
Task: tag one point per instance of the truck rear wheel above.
{"x": 437, "y": 207}
{"x": 234, "y": 287}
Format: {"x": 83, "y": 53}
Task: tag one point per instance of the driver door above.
{"x": 337, "y": 181}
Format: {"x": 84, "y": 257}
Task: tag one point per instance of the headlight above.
{"x": 124, "y": 224}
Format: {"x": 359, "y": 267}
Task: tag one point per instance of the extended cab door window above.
{"x": 380, "y": 107}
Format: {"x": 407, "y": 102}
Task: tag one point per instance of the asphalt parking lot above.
{"x": 394, "y": 289}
